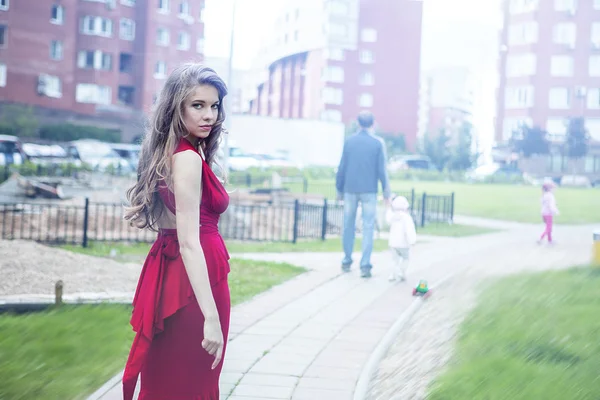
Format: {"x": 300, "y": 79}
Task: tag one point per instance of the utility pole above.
{"x": 230, "y": 88}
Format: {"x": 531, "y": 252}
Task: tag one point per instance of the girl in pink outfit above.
{"x": 549, "y": 210}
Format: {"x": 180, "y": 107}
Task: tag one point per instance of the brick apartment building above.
{"x": 329, "y": 59}
{"x": 446, "y": 101}
{"x": 550, "y": 71}
{"x": 95, "y": 61}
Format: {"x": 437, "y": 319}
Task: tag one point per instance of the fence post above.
{"x": 452, "y": 208}
{"x": 324, "y": 226}
{"x": 423, "y": 209}
{"x": 296, "y": 220}
{"x": 6, "y": 172}
{"x": 305, "y": 184}
{"x": 412, "y": 199}
{"x": 86, "y": 214}
{"x": 248, "y": 180}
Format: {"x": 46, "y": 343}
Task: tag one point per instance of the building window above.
{"x": 333, "y": 96}
{"x": 184, "y": 8}
{"x": 520, "y": 65}
{"x": 595, "y": 35}
{"x": 556, "y": 128}
{"x": 333, "y": 74}
{"x": 367, "y": 79}
{"x": 128, "y": 3}
{"x": 559, "y": 98}
{"x": 3, "y": 75}
{"x": 594, "y": 66}
{"x": 3, "y": 36}
{"x": 200, "y": 46}
{"x": 366, "y": 57}
{"x": 162, "y": 37}
{"x": 368, "y": 35}
{"x": 335, "y": 54}
{"x": 561, "y": 66}
{"x": 593, "y": 99}
{"x": 56, "y": 50}
{"x": 4, "y": 5}
{"x": 127, "y": 29}
{"x": 96, "y": 26}
{"x": 523, "y": 6}
{"x": 93, "y": 94}
{"x": 202, "y": 14}
{"x": 523, "y": 33}
{"x": 365, "y": 100}
{"x": 331, "y": 115}
{"x": 125, "y": 63}
{"x": 49, "y": 86}
{"x": 160, "y": 70}
{"x": 518, "y": 97}
{"x": 564, "y": 5}
{"x": 57, "y": 14}
{"x": 338, "y": 7}
{"x": 565, "y": 33}
{"x": 339, "y": 30}
{"x": 510, "y": 125}
{"x": 126, "y": 95}
{"x": 94, "y": 60}
{"x": 593, "y": 127}
{"x": 164, "y": 6}
{"x": 183, "y": 41}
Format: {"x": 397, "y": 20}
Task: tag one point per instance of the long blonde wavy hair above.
{"x": 165, "y": 130}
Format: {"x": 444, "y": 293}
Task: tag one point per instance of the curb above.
{"x": 361, "y": 389}
{"x": 114, "y": 381}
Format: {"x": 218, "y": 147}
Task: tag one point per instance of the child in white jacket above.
{"x": 403, "y": 235}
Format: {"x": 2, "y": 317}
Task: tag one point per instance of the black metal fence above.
{"x": 286, "y": 222}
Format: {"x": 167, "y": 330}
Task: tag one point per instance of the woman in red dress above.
{"x": 181, "y": 306}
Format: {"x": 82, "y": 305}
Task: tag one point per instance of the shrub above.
{"x": 69, "y": 132}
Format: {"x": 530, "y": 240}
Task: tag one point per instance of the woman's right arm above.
{"x": 187, "y": 185}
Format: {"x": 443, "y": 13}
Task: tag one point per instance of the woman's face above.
{"x": 200, "y": 111}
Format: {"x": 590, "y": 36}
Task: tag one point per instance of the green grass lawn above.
{"x": 531, "y": 337}
{"x": 454, "y": 230}
{"x": 136, "y": 252}
{"x": 68, "y": 353}
{"x": 504, "y": 202}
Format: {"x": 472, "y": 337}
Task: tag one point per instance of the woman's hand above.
{"x": 213, "y": 340}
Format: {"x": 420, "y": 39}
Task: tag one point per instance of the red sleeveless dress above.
{"x": 167, "y": 349}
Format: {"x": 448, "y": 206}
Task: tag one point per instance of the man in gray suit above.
{"x": 362, "y": 167}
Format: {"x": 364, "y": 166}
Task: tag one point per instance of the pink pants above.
{"x": 548, "y": 230}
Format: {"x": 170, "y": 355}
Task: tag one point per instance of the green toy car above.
{"x": 422, "y": 289}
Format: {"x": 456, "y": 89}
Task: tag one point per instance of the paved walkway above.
{"x": 310, "y": 337}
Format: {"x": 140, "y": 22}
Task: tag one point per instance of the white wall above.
{"x": 310, "y": 142}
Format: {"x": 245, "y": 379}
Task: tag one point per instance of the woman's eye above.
{"x": 215, "y": 106}
{"x": 197, "y": 106}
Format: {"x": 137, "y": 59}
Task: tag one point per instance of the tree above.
{"x": 529, "y": 141}
{"x": 462, "y": 155}
{"x": 395, "y": 144}
{"x": 577, "y": 138}
{"x": 22, "y": 119}
{"x": 436, "y": 148}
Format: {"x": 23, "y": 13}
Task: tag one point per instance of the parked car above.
{"x": 402, "y": 163}
{"x": 276, "y": 160}
{"x": 98, "y": 155}
{"x": 44, "y": 154}
{"x": 240, "y": 161}
{"x": 11, "y": 151}
{"x": 128, "y": 152}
